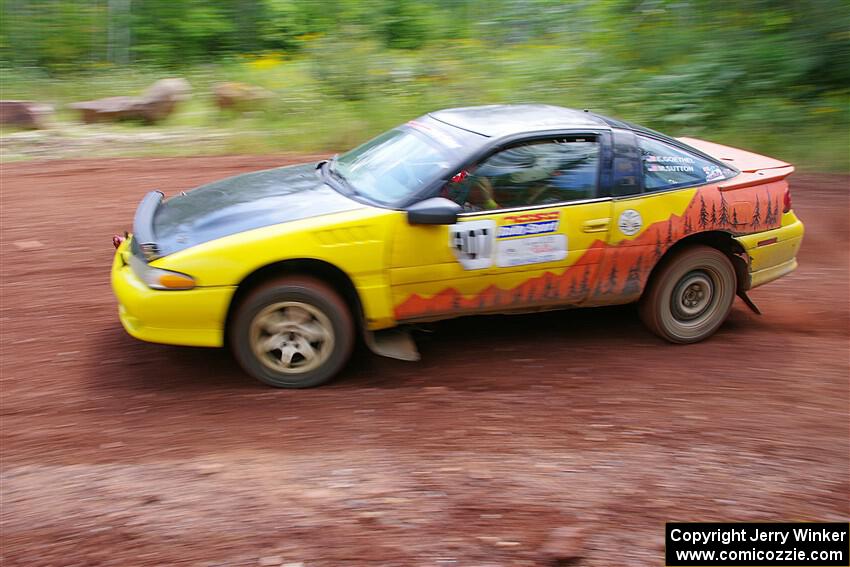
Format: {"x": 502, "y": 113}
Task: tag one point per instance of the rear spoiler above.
{"x": 754, "y": 168}
{"x": 752, "y": 178}
{"x": 143, "y": 225}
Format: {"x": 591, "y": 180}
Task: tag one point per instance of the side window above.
{"x": 626, "y": 165}
{"x": 539, "y": 173}
{"x": 666, "y": 166}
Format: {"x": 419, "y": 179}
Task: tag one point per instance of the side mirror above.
{"x": 437, "y": 210}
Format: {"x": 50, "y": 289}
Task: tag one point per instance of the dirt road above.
{"x": 117, "y": 452}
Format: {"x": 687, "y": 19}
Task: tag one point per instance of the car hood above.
{"x": 245, "y": 202}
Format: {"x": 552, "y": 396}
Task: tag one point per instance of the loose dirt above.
{"x": 510, "y": 431}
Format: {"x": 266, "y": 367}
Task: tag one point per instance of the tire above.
{"x": 690, "y": 295}
{"x": 295, "y": 332}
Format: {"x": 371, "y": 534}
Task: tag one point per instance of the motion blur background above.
{"x": 564, "y": 438}
{"x": 768, "y": 75}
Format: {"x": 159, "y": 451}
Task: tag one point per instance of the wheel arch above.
{"x": 718, "y": 239}
{"x": 330, "y": 274}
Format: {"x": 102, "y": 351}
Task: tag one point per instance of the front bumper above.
{"x": 194, "y": 317}
{"x": 773, "y": 253}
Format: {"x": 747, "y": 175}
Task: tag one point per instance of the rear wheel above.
{"x": 690, "y": 296}
{"x": 295, "y": 332}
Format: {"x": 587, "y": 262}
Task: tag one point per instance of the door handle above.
{"x": 595, "y": 225}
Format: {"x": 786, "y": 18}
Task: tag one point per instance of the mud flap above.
{"x": 748, "y": 302}
{"x": 392, "y": 343}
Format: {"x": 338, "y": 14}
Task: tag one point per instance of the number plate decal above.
{"x": 472, "y": 243}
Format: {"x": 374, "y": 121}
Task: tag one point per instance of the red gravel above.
{"x": 510, "y": 431}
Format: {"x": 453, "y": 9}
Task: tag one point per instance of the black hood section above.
{"x": 244, "y": 202}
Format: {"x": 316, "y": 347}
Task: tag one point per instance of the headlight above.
{"x": 157, "y": 278}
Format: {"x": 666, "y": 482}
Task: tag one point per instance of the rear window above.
{"x": 666, "y": 166}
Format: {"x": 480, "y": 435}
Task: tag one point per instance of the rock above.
{"x": 207, "y": 469}
{"x": 110, "y": 109}
{"x": 156, "y": 104}
{"x": 25, "y": 114}
{"x": 29, "y": 244}
{"x": 240, "y": 96}
{"x": 564, "y": 545}
{"x": 159, "y": 101}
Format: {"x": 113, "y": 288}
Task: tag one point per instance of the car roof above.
{"x": 498, "y": 120}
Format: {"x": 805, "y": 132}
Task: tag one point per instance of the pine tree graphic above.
{"x": 734, "y": 217}
{"x": 563, "y": 288}
{"x": 713, "y": 214}
{"x": 688, "y": 228}
{"x": 547, "y": 289}
{"x": 584, "y": 286}
{"x": 724, "y": 212}
{"x": 770, "y": 217}
{"x": 632, "y": 285}
{"x": 658, "y": 248}
{"x": 703, "y": 214}
{"x": 597, "y": 289}
{"x": 600, "y": 280}
{"x": 572, "y": 291}
{"x": 669, "y": 232}
{"x": 612, "y": 278}
{"x": 756, "y": 214}
{"x": 518, "y": 296}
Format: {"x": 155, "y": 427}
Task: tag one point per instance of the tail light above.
{"x": 786, "y": 201}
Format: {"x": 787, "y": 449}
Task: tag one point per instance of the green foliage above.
{"x": 772, "y": 75}
{"x": 403, "y": 24}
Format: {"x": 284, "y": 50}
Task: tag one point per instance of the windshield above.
{"x": 393, "y": 166}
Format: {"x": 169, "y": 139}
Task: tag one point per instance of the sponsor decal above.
{"x": 712, "y": 172}
{"x": 534, "y": 250}
{"x": 528, "y": 229}
{"x": 532, "y": 217}
{"x": 630, "y": 222}
{"x": 529, "y": 224}
{"x": 670, "y": 159}
{"x": 658, "y": 167}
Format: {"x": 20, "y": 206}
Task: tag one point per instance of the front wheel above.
{"x": 296, "y": 332}
{"x": 690, "y": 296}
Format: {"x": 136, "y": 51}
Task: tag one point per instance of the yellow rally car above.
{"x": 491, "y": 209}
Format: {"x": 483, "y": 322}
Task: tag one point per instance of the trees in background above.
{"x": 803, "y": 43}
{"x": 760, "y": 66}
